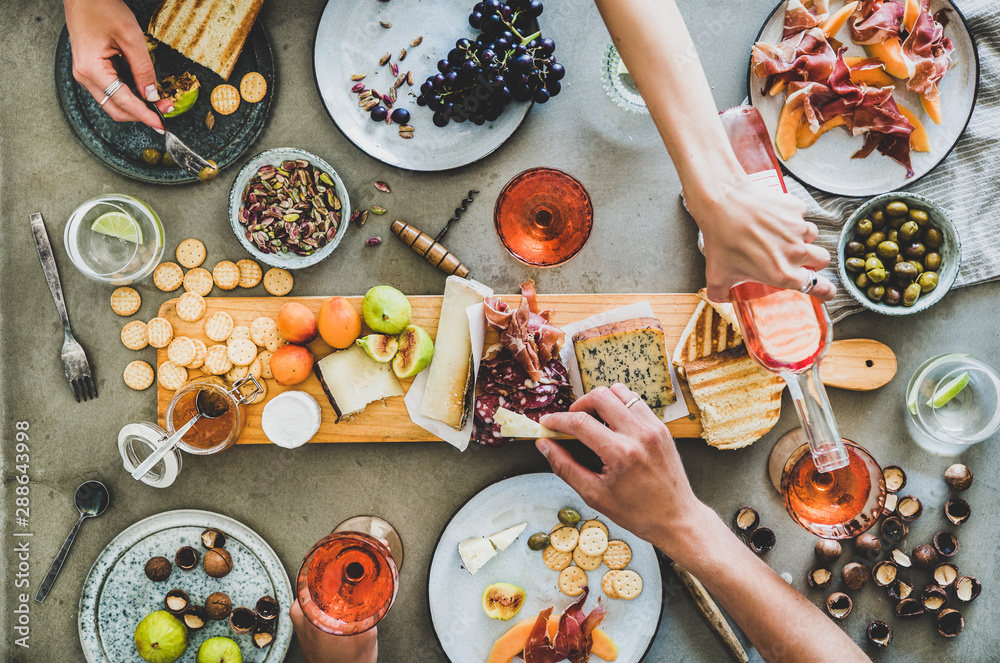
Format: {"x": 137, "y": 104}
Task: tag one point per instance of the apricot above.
{"x": 339, "y": 323}
{"x": 291, "y": 364}
{"x": 297, "y": 323}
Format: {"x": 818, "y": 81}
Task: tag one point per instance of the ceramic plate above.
{"x": 828, "y": 166}
{"x": 119, "y": 145}
{"x": 349, "y": 40}
{"x": 117, "y": 594}
{"x": 455, "y": 597}
{"x": 286, "y": 260}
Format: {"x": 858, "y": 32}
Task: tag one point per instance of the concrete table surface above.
{"x": 643, "y": 241}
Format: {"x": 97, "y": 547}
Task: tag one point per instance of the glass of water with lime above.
{"x": 114, "y": 238}
{"x": 953, "y": 402}
{"x": 618, "y": 82}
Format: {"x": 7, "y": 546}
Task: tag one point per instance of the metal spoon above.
{"x": 209, "y": 405}
{"x": 92, "y": 498}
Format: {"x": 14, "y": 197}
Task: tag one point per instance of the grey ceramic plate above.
{"x": 828, "y": 166}
{"x": 349, "y": 40}
{"x": 119, "y": 145}
{"x": 117, "y": 594}
{"x": 455, "y": 596}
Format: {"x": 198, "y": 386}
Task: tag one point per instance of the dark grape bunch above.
{"x": 505, "y": 63}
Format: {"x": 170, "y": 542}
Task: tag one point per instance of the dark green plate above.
{"x": 119, "y": 145}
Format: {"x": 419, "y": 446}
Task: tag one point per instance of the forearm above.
{"x": 655, "y": 45}
{"x": 781, "y": 623}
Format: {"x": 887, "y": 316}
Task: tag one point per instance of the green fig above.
{"x": 160, "y": 637}
{"x": 386, "y": 310}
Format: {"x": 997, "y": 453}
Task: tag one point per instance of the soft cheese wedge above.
{"x": 449, "y": 378}
{"x": 476, "y": 552}
{"x": 502, "y": 539}
{"x": 631, "y": 352}
{"x": 351, "y": 380}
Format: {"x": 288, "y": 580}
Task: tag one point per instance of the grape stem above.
{"x": 526, "y": 40}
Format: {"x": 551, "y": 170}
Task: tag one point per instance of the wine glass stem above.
{"x": 816, "y": 415}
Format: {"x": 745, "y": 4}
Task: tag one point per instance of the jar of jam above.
{"x": 216, "y": 433}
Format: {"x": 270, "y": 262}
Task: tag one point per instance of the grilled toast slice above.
{"x": 707, "y": 332}
{"x": 210, "y": 32}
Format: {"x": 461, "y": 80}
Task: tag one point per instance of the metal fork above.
{"x": 183, "y": 155}
{"x": 75, "y": 363}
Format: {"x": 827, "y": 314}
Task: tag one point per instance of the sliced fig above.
{"x": 380, "y": 347}
{"x": 502, "y": 600}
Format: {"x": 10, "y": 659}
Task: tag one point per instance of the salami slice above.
{"x": 556, "y": 373}
{"x": 537, "y": 397}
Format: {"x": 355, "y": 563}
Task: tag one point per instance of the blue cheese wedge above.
{"x": 351, "y": 380}
{"x": 476, "y": 552}
{"x": 502, "y": 539}
{"x": 631, "y": 352}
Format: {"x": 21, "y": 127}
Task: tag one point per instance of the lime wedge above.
{"x": 948, "y": 391}
{"x": 911, "y": 400}
{"x": 118, "y": 224}
{"x": 626, "y": 78}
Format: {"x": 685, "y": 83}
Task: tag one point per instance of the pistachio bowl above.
{"x": 950, "y": 250}
{"x": 286, "y": 259}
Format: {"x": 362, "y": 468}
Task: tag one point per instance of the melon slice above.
{"x": 512, "y": 642}
{"x": 806, "y": 137}
{"x": 836, "y": 21}
{"x": 890, "y": 52}
{"x": 919, "y": 140}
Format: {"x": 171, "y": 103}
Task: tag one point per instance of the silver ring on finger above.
{"x": 811, "y": 282}
{"x": 635, "y": 399}
{"x": 110, "y": 90}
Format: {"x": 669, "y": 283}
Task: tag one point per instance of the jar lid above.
{"x": 136, "y": 442}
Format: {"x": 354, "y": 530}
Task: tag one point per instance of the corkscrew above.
{"x": 430, "y": 247}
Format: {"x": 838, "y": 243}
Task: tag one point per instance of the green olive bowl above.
{"x": 950, "y": 250}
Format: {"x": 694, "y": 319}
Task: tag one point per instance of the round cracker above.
{"x": 242, "y": 351}
{"x": 585, "y": 561}
{"x": 182, "y": 351}
{"x": 608, "y": 583}
{"x": 265, "y": 364}
{"x": 190, "y": 306}
{"x": 555, "y": 560}
{"x": 240, "y": 331}
{"x": 262, "y": 329}
{"x": 225, "y": 99}
{"x": 226, "y": 275}
{"x": 159, "y": 332}
{"x": 125, "y": 301}
{"x": 250, "y": 273}
{"x": 564, "y": 539}
{"x": 217, "y": 360}
{"x": 170, "y": 376}
{"x": 199, "y": 354}
{"x": 219, "y": 327}
{"x": 138, "y": 375}
{"x": 593, "y": 541}
{"x": 134, "y": 335}
{"x": 627, "y": 585}
{"x": 199, "y": 280}
{"x": 237, "y": 373}
{"x": 595, "y": 523}
{"x": 618, "y": 555}
{"x": 191, "y": 253}
{"x": 248, "y": 388}
{"x": 572, "y": 581}
{"x": 278, "y": 281}
{"x": 253, "y": 87}
{"x": 168, "y": 276}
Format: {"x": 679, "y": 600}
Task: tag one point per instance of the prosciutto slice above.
{"x": 807, "y": 55}
{"x": 875, "y": 21}
{"x": 573, "y": 639}
{"x": 930, "y": 51}
{"x": 526, "y": 332}
{"x": 888, "y": 132}
{"x": 801, "y": 16}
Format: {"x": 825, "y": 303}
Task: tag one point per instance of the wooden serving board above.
{"x": 848, "y": 361}
{"x": 390, "y": 422}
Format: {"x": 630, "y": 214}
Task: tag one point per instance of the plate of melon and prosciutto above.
{"x": 867, "y": 96}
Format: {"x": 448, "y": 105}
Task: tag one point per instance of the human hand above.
{"x": 642, "y": 486}
{"x": 98, "y": 31}
{"x": 753, "y": 233}
{"x": 320, "y": 647}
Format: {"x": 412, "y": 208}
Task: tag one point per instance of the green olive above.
{"x": 569, "y": 517}
{"x": 875, "y": 293}
{"x": 911, "y": 294}
{"x": 868, "y": 256}
{"x": 877, "y": 275}
{"x": 862, "y": 281}
{"x": 892, "y": 236}
{"x": 167, "y": 160}
{"x": 908, "y": 231}
{"x": 927, "y": 282}
{"x": 932, "y": 261}
{"x": 917, "y": 265}
{"x": 151, "y": 156}
{"x": 854, "y": 265}
{"x": 905, "y": 271}
{"x": 887, "y": 250}
{"x": 538, "y": 541}
{"x": 855, "y": 249}
{"x": 933, "y": 238}
{"x": 899, "y": 258}
{"x": 873, "y": 263}
{"x": 892, "y": 296}
{"x": 896, "y": 209}
{"x": 915, "y": 251}
{"x": 864, "y": 228}
{"x": 874, "y": 240}
{"x": 878, "y": 219}
{"x": 920, "y": 216}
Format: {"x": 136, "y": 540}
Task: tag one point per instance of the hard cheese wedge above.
{"x": 514, "y": 424}
{"x": 351, "y": 380}
{"x": 449, "y": 378}
{"x": 476, "y": 552}
{"x": 631, "y": 352}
